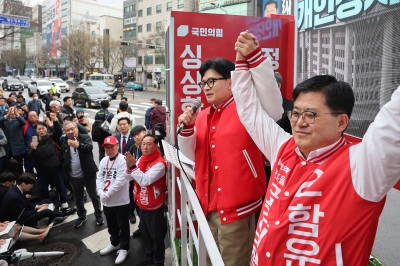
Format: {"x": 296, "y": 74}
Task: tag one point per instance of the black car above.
{"x": 111, "y": 91}
{"x": 25, "y": 80}
{"x": 12, "y": 84}
{"x": 89, "y": 96}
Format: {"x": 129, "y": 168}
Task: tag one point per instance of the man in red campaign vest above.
{"x": 230, "y": 178}
{"x": 149, "y": 193}
{"x": 325, "y": 194}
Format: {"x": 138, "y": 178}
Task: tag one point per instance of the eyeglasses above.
{"x": 209, "y": 82}
{"x": 307, "y": 116}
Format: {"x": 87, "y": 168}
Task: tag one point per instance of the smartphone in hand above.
{"x": 48, "y": 114}
{"x": 71, "y": 136}
{"x": 35, "y": 141}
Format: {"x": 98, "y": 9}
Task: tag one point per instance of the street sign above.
{"x": 18, "y": 22}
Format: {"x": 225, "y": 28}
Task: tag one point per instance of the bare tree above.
{"x": 14, "y": 8}
{"x": 15, "y": 59}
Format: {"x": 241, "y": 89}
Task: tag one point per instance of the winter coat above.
{"x": 46, "y": 155}
{"x": 13, "y": 131}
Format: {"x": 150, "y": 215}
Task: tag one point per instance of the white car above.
{"x": 2, "y": 79}
{"x": 61, "y": 84}
{"x": 40, "y": 87}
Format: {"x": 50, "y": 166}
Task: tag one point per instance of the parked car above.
{"x": 111, "y": 91}
{"x": 2, "y": 79}
{"x": 89, "y": 96}
{"x": 64, "y": 87}
{"x": 72, "y": 81}
{"x": 25, "y": 80}
{"x": 12, "y": 84}
{"x": 81, "y": 81}
{"x": 134, "y": 86}
{"x": 40, "y": 87}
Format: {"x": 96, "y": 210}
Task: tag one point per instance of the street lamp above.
{"x": 217, "y": 6}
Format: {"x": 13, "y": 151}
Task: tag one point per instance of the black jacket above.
{"x": 13, "y": 130}
{"x": 67, "y": 110}
{"x": 13, "y": 204}
{"x": 85, "y": 150}
{"x": 129, "y": 142}
{"x": 46, "y": 155}
{"x": 3, "y": 192}
{"x": 46, "y": 100}
{"x": 284, "y": 122}
{"x": 137, "y": 151}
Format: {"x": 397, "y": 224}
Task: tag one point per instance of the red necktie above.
{"x": 123, "y": 144}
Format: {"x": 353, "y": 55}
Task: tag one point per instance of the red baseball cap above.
{"x": 110, "y": 141}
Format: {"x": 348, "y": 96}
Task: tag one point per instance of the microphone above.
{"x": 195, "y": 105}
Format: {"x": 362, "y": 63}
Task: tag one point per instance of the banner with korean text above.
{"x": 199, "y": 36}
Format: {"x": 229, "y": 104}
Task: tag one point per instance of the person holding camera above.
{"x": 12, "y": 125}
{"x": 46, "y": 155}
{"x": 82, "y": 119}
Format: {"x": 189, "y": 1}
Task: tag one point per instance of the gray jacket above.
{"x": 3, "y": 141}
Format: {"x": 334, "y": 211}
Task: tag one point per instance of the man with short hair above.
{"x": 22, "y": 109}
{"x": 225, "y": 154}
{"x": 67, "y": 109}
{"x": 7, "y": 180}
{"x": 271, "y": 7}
{"x": 3, "y": 107}
{"x": 80, "y": 169}
{"x": 47, "y": 98}
{"x": 12, "y": 99}
{"x": 125, "y": 99}
{"x": 15, "y": 203}
{"x": 124, "y": 137}
{"x": 35, "y": 104}
{"x": 149, "y": 192}
{"x": 157, "y": 115}
{"x": 147, "y": 120}
{"x": 326, "y": 195}
{"x": 20, "y": 99}
{"x": 123, "y": 106}
{"x": 29, "y": 130}
{"x": 138, "y": 132}
{"x": 112, "y": 187}
{"x": 98, "y": 135}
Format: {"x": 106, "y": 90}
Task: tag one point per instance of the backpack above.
{"x": 98, "y": 134}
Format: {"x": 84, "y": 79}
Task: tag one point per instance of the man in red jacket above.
{"x": 149, "y": 192}
{"x": 230, "y": 178}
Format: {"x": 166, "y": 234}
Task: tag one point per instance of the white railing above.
{"x": 188, "y": 212}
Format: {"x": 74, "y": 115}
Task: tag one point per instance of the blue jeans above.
{"x": 54, "y": 177}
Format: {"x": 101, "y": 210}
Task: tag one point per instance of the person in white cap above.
{"x": 113, "y": 189}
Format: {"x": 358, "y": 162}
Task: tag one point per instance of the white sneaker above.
{"x": 107, "y": 250}
{"x": 122, "y": 253}
{"x": 64, "y": 205}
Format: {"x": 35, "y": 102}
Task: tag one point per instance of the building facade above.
{"x": 152, "y": 16}
{"x": 63, "y": 17}
{"x": 358, "y": 47}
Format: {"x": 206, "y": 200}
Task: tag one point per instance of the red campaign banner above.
{"x": 199, "y": 36}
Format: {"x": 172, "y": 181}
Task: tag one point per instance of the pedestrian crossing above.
{"x": 138, "y": 110}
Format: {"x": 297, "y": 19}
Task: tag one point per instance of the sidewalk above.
{"x": 151, "y": 88}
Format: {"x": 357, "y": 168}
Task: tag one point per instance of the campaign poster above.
{"x": 53, "y": 27}
{"x": 199, "y": 36}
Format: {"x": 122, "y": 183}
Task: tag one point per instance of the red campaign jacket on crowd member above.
{"x": 149, "y": 197}
{"x": 323, "y": 209}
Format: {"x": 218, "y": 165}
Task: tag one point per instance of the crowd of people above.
{"x": 43, "y": 164}
{"x": 284, "y": 201}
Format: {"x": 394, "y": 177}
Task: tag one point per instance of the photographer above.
{"x": 82, "y": 119}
